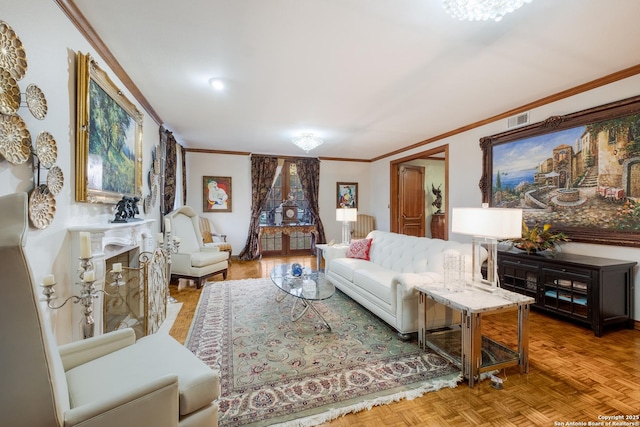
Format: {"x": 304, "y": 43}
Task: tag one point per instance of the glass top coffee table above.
{"x": 310, "y": 286}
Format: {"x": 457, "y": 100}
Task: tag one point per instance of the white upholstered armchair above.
{"x": 194, "y": 260}
{"x": 108, "y": 380}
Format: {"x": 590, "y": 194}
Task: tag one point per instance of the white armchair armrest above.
{"x": 80, "y": 352}
{"x": 154, "y": 403}
{"x": 206, "y": 248}
{"x": 181, "y": 262}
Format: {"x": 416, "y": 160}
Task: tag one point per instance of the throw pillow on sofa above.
{"x": 359, "y": 249}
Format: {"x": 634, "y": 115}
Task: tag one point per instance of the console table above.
{"x": 595, "y": 291}
{"x": 288, "y": 229}
{"x": 464, "y": 344}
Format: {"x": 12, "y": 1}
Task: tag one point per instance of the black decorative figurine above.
{"x": 126, "y": 209}
{"x": 438, "y": 201}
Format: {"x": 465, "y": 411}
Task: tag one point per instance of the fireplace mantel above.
{"x": 107, "y": 240}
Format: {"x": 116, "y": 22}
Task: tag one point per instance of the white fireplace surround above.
{"x": 107, "y": 240}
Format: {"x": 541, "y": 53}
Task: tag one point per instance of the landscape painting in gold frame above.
{"x": 108, "y": 138}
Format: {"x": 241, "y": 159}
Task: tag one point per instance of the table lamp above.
{"x": 486, "y": 225}
{"x": 346, "y": 215}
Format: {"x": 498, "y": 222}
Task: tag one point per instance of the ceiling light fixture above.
{"x": 307, "y": 141}
{"x": 217, "y": 84}
{"x": 481, "y": 10}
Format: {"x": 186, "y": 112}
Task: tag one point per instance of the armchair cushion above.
{"x": 204, "y": 258}
{"x": 97, "y": 380}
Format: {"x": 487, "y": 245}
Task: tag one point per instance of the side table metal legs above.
{"x": 471, "y": 347}
{"x": 523, "y": 338}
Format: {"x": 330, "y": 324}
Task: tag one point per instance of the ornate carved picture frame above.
{"x": 108, "y": 138}
{"x": 579, "y": 172}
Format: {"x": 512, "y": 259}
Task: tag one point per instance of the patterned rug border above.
{"x": 312, "y": 417}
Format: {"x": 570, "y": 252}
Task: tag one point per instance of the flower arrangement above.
{"x": 538, "y": 238}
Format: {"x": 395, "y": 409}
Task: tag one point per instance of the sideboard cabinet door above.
{"x": 591, "y": 290}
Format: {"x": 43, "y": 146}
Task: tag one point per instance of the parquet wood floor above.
{"x": 574, "y": 377}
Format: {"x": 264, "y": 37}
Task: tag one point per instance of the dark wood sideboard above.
{"x": 595, "y": 291}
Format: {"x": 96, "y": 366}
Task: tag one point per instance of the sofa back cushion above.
{"x": 410, "y": 254}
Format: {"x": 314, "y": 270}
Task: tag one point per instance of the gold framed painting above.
{"x": 108, "y": 138}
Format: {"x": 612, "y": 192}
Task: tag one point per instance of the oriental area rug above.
{"x": 277, "y": 372}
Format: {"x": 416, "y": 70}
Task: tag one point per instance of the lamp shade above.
{"x": 346, "y": 214}
{"x": 497, "y": 223}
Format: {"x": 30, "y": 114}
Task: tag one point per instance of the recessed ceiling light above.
{"x": 217, "y": 84}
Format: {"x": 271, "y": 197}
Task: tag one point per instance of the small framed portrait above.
{"x": 347, "y": 195}
{"x": 216, "y": 194}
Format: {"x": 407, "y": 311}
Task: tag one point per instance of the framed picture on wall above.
{"x": 109, "y": 138}
{"x": 216, "y": 194}
{"x": 579, "y": 172}
{"x": 347, "y": 195}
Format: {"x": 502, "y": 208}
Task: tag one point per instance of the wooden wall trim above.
{"x": 611, "y": 78}
{"x": 81, "y": 23}
{"x": 78, "y": 19}
{"x": 248, "y": 153}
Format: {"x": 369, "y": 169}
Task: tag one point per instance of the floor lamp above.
{"x": 346, "y": 215}
{"x": 486, "y": 225}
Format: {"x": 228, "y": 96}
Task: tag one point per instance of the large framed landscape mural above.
{"x": 579, "y": 172}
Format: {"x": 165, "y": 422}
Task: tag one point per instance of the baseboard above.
{"x": 636, "y": 325}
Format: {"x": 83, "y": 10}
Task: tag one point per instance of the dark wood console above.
{"x": 596, "y": 291}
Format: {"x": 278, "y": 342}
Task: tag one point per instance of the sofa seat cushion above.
{"x": 206, "y": 258}
{"x": 98, "y": 380}
{"x": 345, "y": 267}
{"x": 376, "y": 280}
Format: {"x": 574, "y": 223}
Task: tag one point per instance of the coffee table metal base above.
{"x": 306, "y": 304}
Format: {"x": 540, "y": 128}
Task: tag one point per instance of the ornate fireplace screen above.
{"x": 139, "y": 299}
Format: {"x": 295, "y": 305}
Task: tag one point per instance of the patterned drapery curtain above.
{"x": 169, "y": 142}
{"x": 263, "y": 170}
{"x": 309, "y": 174}
{"x": 184, "y": 174}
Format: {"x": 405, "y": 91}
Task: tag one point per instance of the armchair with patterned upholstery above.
{"x": 194, "y": 260}
{"x": 212, "y": 239}
{"x": 363, "y": 226}
{"x": 104, "y": 381}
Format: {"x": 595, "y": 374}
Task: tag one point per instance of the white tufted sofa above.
{"x": 385, "y": 284}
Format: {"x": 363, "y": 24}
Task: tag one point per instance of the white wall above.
{"x": 51, "y": 43}
{"x": 465, "y": 168}
{"x": 235, "y": 224}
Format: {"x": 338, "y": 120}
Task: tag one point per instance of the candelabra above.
{"x": 171, "y": 245}
{"x": 88, "y": 293}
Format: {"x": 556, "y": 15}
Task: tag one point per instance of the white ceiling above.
{"x": 367, "y": 76}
